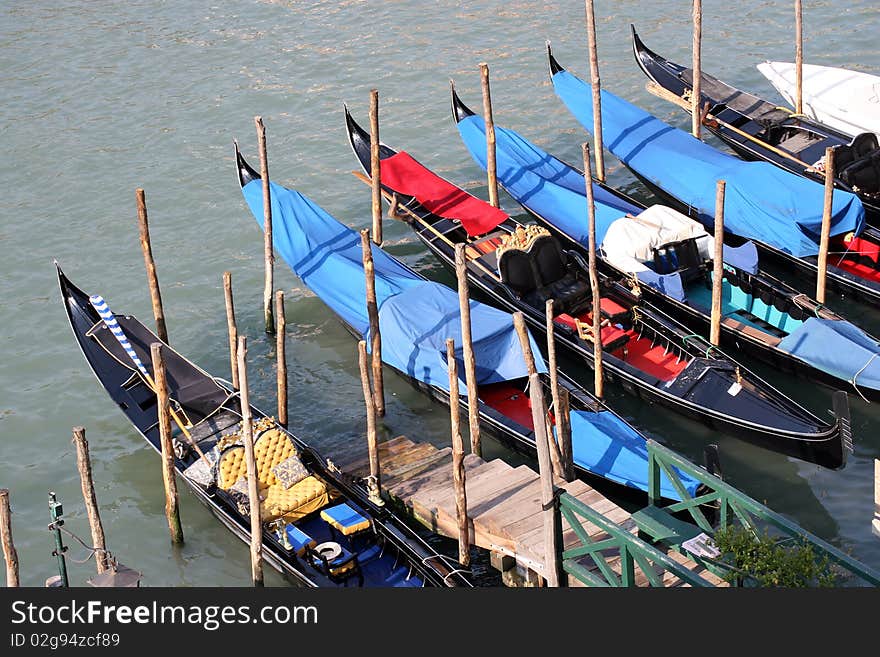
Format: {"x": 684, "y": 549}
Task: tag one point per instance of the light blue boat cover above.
{"x": 608, "y": 446}
{"x": 837, "y": 347}
{"x": 762, "y": 202}
{"x": 416, "y": 316}
{"x": 556, "y": 192}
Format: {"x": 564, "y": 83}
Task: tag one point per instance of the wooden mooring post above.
{"x": 798, "y": 57}
{"x": 84, "y": 465}
{"x": 491, "y": 169}
{"x": 563, "y": 467}
{"x": 596, "y": 84}
{"x": 373, "y": 313}
{"x": 522, "y": 332}
{"x": 374, "y": 483}
{"x": 247, "y": 439}
{"x": 458, "y": 475}
{"x": 470, "y": 365}
{"x": 696, "y": 92}
{"x": 551, "y": 569}
{"x": 231, "y": 327}
{"x": 822, "y": 262}
{"x": 717, "y": 266}
{"x": 150, "y": 264}
{"x": 875, "y": 524}
{"x": 172, "y": 507}
{"x": 375, "y": 167}
{"x": 281, "y": 358}
{"x": 598, "y": 381}
{"x": 268, "y": 253}
{"x": 9, "y": 553}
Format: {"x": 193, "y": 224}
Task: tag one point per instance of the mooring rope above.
{"x": 856, "y": 375}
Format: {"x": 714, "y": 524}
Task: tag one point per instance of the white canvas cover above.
{"x": 630, "y": 241}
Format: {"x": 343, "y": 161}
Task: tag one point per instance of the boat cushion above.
{"x": 299, "y": 539}
{"x": 345, "y": 519}
{"x": 293, "y": 503}
{"x": 290, "y": 471}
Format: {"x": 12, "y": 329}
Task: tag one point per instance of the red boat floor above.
{"x": 509, "y": 400}
{"x": 651, "y": 360}
{"x": 862, "y": 271}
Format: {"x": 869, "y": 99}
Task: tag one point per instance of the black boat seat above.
{"x": 517, "y": 272}
{"x": 863, "y": 175}
{"x": 682, "y": 257}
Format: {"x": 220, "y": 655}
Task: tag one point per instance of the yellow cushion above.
{"x": 295, "y": 502}
{"x": 345, "y": 519}
{"x": 271, "y": 448}
{"x": 232, "y": 467}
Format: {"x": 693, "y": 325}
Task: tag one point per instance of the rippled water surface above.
{"x": 102, "y": 98}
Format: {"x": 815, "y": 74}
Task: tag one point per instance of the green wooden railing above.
{"x": 620, "y": 543}
{"x": 733, "y": 503}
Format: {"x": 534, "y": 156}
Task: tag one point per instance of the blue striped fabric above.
{"x": 107, "y": 315}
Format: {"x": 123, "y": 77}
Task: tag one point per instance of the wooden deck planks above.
{"x": 504, "y": 503}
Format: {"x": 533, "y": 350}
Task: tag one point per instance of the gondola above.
{"x": 759, "y": 130}
{"x": 648, "y": 353}
{"x": 320, "y": 527}
{"x": 777, "y": 210}
{"x": 668, "y": 258}
{"x": 416, "y": 316}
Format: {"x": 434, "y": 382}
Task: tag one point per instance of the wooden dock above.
{"x": 503, "y": 504}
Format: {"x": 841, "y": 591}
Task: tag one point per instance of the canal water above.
{"x": 102, "y": 98}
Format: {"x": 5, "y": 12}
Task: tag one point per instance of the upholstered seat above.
{"x": 271, "y": 448}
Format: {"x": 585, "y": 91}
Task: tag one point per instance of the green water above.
{"x": 102, "y": 98}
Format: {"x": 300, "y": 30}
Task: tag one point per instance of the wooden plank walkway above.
{"x": 504, "y": 503}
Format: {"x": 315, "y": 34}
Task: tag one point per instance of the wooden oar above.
{"x": 363, "y": 178}
{"x": 665, "y": 94}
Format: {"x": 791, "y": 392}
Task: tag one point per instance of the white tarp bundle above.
{"x": 630, "y": 241}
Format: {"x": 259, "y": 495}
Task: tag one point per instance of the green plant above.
{"x": 764, "y": 561}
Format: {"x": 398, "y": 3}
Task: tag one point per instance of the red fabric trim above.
{"x": 406, "y": 176}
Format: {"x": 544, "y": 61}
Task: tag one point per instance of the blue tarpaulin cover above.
{"x": 837, "y": 347}
{"x": 415, "y": 315}
{"x": 762, "y": 201}
{"x": 608, "y": 446}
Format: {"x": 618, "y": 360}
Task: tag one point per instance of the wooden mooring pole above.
{"x": 696, "y": 92}
{"x": 247, "y": 439}
{"x": 458, "y": 476}
{"x": 172, "y": 507}
{"x": 522, "y": 332}
{"x": 373, "y": 313}
{"x": 231, "y": 327}
{"x": 374, "y": 485}
{"x": 551, "y": 552}
{"x": 822, "y": 262}
{"x": 491, "y": 169}
{"x": 268, "y": 253}
{"x": 717, "y": 266}
{"x": 559, "y": 456}
{"x": 375, "y": 167}
{"x": 596, "y": 84}
{"x": 875, "y": 524}
{"x": 84, "y": 465}
{"x": 470, "y": 365}
{"x": 598, "y": 385}
{"x": 565, "y": 447}
{"x": 281, "y": 358}
{"x": 798, "y": 57}
{"x": 150, "y": 264}
{"x": 9, "y": 553}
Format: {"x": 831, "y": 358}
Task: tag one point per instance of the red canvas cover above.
{"x": 404, "y": 175}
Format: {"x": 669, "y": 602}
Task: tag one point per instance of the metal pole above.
{"x": 56, "y": 514}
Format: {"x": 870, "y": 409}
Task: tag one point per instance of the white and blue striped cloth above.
{"x": 106, "y": 314}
